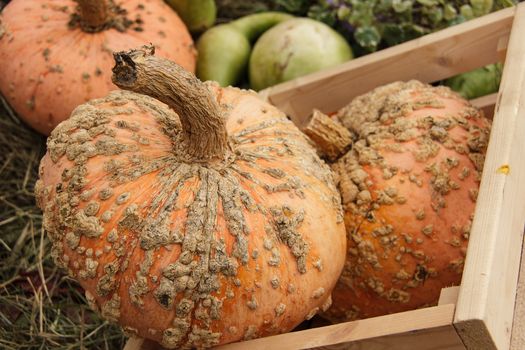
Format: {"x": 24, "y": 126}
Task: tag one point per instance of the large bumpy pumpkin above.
{"x": 408, "y": 188}
{"x": 56, "y": 55}
{"x": 213, "y": 224}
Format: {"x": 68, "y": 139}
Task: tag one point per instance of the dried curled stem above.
{"x": 331, "y": 139}
{"x": 203, "y": 127}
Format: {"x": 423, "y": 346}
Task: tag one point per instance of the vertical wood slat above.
{"x": 486, "y": 104}
{"x": 485, "y": 306}
{"x": 517, "y": 341}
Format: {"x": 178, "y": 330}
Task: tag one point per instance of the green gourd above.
{"x": 198, "y": 15}
{"x": 224, "y": 50}
{"x": 293, "y": 49}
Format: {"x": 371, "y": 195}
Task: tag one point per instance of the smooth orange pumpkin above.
{"x": 56, "y": 55}
{"x": 213, "y": 224}
{"x": 409, "y": 189}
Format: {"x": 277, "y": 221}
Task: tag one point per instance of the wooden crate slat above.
{"x": 135, "y": 343}
{"x": 486, "y": 104}
{"x": 439, "y": 338}
{"x": 518, "y": 328}
{"x": 385, "y": 332}
{"x": 486, "y": 299}
{"x": 449, "y": 295}
{"x": 432, "y": 57}
{"x": 424, "y": 329}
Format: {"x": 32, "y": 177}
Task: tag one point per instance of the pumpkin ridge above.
{"x": 245, "y": 153}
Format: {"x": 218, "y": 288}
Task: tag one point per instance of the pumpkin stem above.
{"x": 203, "y": 127}
{"x": 330, "y": 137}
{"x": 94, "y": 14}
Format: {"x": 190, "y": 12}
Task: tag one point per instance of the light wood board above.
{"x": 485, "y": 306}
{"x": 424, "y": 329}
{"x": 486, "y": 104}
{"x": 518, "y": 328}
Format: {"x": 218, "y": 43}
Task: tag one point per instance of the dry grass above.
{"x": 40, "y": 307}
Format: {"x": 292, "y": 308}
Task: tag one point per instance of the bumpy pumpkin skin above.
{"x": 409, "y": 188}
{"x": 49, "y": 68}
{"x": 192, "y": 255}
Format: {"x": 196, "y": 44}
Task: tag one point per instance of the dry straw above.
{"x": 40, "y": 308}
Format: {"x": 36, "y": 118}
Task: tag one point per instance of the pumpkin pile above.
{"x": 408, "y": 187}
{"x": 56, "y": 55}
{"x": 191, "y": 214}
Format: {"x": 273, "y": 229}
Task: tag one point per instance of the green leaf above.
{"x": 435, "y": 15}
{"x": 322, "y": 15}
{"x": 413, "y": 31}
{"x": 481, "y": 7}
{"x": 504, "y": 3}
{"x": 367, "y": 37}
{"x": 384, "y": 6}
{"x": 343, "y": 13}
{"x": 458, "y": 20}
{"x": 428, "y": 3}
{"x": 293, "y": 6}
{"x": 362, "y": 13}
{"x": 466, "y": 11}
{"x": 393, "y": 34}
{"x": 449, "y": 12}
{"x": 401, "y": 6}
{"x": 476, "y": 83}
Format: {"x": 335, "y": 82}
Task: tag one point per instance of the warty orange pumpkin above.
{"x": 408, "y": 187}
{"x": 213, "y": 224}
{"x": 56, "y": 55}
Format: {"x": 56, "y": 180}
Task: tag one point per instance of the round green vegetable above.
{"x": 198, "y": 15}
{"x": 477, "y": 83}
{"x": 295, "y": 48}
{"x": 224, "y": 50}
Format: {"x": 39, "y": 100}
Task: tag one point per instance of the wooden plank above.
{"x": 517, "y": 341}
{"x": 439, "y": 338}
{"x": 486, "y": 298}
{"x": 428, "y": 325}
{"x": 374, "y": 333}
{"x": 502, "y": 48}
{"x": 486, "y": 104}
{"x": 430, "y": 58}
{"x": 134, "y": 343}
{"x": 448, "y": 295}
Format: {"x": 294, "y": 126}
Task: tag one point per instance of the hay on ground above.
{"x": 40, "y": 307}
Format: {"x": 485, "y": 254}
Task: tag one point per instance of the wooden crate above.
{"x": 479, "y": 313}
